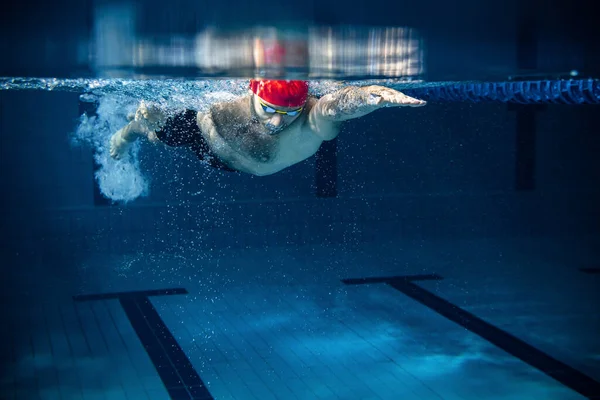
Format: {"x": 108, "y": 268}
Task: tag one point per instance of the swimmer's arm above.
{"x": 353, "y": 102}
{"x": 132, "y": 131}
{"x": 146, "y": 121}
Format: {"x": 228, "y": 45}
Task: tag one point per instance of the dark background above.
{"x": 465, "y": 39}
{"x": 443, "y": 171}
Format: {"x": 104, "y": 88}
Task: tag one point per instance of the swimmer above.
{"x": 276, "y": 125}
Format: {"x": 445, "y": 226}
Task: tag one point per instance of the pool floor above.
{"x": 281, "y": 323}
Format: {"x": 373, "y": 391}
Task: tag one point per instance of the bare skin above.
{"x": 250, "y": 140}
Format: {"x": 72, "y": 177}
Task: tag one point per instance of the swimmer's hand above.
{"x": 356, "y": 101}
{"x": 385, "y": 97}
{"x": 147, "y": 119}
{"x": 118, "y": 145}
{"x": 150, "y": 117}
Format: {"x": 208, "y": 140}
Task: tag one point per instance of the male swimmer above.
{"x": 273, "y": 127}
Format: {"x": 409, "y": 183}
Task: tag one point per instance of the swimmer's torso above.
{"x": 242, "y": 142}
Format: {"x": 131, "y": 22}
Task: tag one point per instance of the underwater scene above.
{"x": 299, "y": 200}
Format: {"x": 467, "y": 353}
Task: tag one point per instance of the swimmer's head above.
{"x": 277, "y": 103}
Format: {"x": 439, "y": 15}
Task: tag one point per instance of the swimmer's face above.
{"x": 274, "y": 118}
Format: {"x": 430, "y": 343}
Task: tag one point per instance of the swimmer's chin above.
{"x": 271, "y": 130}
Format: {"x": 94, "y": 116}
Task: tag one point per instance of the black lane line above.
{"x": 174, "y": 368}
{"x": 116, "y": 295}
{"x": 362, "y": 281}
{"x": 166, "y": 370}
{"x": 184, "y": 367}
{"x": 550, "y": 366}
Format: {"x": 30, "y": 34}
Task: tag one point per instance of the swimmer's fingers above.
{"x": 145, "y": 111}
{"x": 398, "y": 99}
{"x": 142, "y": 112}
{"x": 386, "y": 97}
{"x": 150, "y": 114}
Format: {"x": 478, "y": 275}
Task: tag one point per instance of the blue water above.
{"x": 442, "y": 252}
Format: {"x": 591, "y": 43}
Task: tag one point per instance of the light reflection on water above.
{"x": 118, "y": 49}
{"x": 316, "y": 53}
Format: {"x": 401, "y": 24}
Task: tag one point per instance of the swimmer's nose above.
{"x": 275, "y": 121}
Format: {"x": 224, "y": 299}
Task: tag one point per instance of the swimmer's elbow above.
{"x": 329, "y": 134}
{"x": 326, "y": 137}
{"x": 324, "y": 129}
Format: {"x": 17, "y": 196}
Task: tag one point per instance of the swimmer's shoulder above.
{"x": 222, "y": 116}
{"x": 233, "y": 108}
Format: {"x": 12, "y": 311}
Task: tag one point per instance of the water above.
{"x": 444, "y": 252}
{"x": 113, "y": 99}
{"x": 315, "y": 53}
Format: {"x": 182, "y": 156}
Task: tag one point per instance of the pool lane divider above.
{"x": 174, "y": 368}
{"x": 539, "y": 360}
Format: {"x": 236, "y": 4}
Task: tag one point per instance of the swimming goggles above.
{"x": 271, "y": 110}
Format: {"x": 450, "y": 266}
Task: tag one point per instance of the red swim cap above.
{"x": 281, "y": 93}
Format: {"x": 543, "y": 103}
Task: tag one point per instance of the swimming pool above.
{"x": 444, "y": 252}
